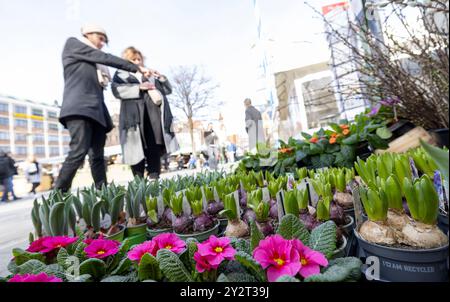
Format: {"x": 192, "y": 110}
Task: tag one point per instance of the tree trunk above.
{"x": 191, "y": 132}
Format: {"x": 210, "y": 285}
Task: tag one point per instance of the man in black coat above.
{"x": 7, "y": 172}
{"x": 83, "y": 111}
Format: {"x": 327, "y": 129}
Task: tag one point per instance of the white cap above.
{"x": 93, "y": 28}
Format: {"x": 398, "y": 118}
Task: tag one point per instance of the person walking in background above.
{"x": 145, "y": 122}
{"x": 83, "y": 110}
{"x": 231, "y": 151}
{"x": 11, "y": 178}
{"x": 211, "y": 140}
{"x": 253, "y": 125}
{"x": 33, "y": 171}
{"x": 7, "y": 172}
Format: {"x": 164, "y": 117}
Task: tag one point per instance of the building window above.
{"x": 52, "y": 114}
{"x": 66, "y": 139}
{"x": 20, "y": 109}
{"x": 54, "y": 151}
{"x": 38, "y": 125}
{"x": 38, "y": 138}
{"x": 21, "y": 137}
{"x": 4, "y": 136}
{"x": 21, "y": 150}
{"x": 66, "y": 150}
{"x": 4, "y": 121}
{"x": 52, "y": 126}
{"x": 5, "y": 149}
{"x": 37, "y": 112}
{"x": 53, "y": 139}
{"x": 4, "y": 107}
{"x": 21, "y": 123}
{"x": 39, "y": 150}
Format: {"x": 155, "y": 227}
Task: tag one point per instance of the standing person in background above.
{"x": 253, "y": 125}
{"x": 7, "y": 172}
{"x": 211, "y": 143}
{"x": 145, "y": 122}
{"x": 33, "y": 171}
{"x": 83, "y": 110}
{"x": 231, "y": 151}
{"x": 11, "y": 178}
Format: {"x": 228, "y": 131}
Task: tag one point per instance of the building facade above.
{"x": 30, "y": 128}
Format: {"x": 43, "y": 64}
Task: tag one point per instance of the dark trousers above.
{"x": 35, "y": 185}
{"x": 152, "y": 153}
{"x": 86, "y": 137}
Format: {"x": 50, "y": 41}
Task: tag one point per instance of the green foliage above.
{"x": 339, "y": 270}
{"x": 375, "y": 203}
{"x": 172, "y": 267}
{"x": 287, "y": 278}
{"x": 230, "y": 207}
{"x": 236, "y": 277}
{"x": 422, "y": 199}
{"x": 255, "y": 235}
{"x": 323, "y": 238}
{"x": 251, "y": 265}
{"x": 291, "y": 227}
{"x": 21, "y": 256}
{"x": 96, "y": 268}
{"x": 148, "y": 268}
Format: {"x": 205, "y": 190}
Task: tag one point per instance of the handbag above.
{"x": 156, "y": 96}
{"x": 132, "y": 150}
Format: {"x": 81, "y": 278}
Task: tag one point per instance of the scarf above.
{"x": 104, "y": 77}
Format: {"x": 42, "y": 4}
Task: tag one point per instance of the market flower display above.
{"x": 310, "y": 260}
{"x": 41, "y": 277}
{"x": 278, "y": 256}
{"x": 102, "y": 248}
{"x": 140, "y": 250}
{"x": 216, "y": 250}
{"x": 50, "y": 244}
{"x": 169, "y": 241}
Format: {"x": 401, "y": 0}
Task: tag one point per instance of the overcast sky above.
{"x": 216, "y": 34}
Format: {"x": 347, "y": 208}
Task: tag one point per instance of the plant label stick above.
{"x": 266, "y": 194}
{"x": 280, "y": 204}
{"x": 357, "y": 204}
{"x": 312, "y": 195}
{"x": 160, "y": 205}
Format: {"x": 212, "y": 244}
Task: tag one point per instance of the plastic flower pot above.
{"x": 201, "y": 236}
{"x": 400, "y": 128}
{"x": 120, "y": 235}
{"x": 350, "y": 212}
{"x": 442, "y": 136}
{"x": 340, "y": 251}
{"x": 351, "y": 247}
{"x": 223, "y": 225}
{"x": 443, "y": 222}
{"x": 407, "y": 265}
{"x": 136, "y": 234}
{"x": 155, "y": 232}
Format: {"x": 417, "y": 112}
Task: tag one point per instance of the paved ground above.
{"x": 15, "y": 220}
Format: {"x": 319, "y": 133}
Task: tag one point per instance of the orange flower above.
{"x": 346, "y": 132}
{"x": 313, "y": 140}
{"x": 334, "y": 134}
{"x": 285, "y": 150}
{"x": 344, "y": 126}
{"x": 332, "y": 140}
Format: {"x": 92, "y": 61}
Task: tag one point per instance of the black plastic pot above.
{"x": 363, "y": 151}
{"x": 350, "y": 212}
{"x": 441, "y": 136}
{"x": 401, "y": 127}
{"x": 407, "y": 265}
{"x": 443, "y": 223}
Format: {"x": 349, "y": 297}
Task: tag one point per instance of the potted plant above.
{"x": 157, "y": 222}
{"x": 137, "y": 217}
{"x": 235, "y": 227}
{"x": 261, "y": 210}
{"x": 401, "y": 241}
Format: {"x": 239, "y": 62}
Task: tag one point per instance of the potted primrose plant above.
{"x": 410, "y": 246}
